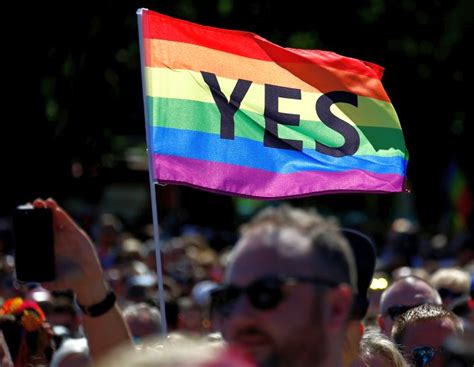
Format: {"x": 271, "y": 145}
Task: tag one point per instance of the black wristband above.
{"x": 99, "y": 308}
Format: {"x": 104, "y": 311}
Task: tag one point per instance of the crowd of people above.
{"x": 296, "y": 289}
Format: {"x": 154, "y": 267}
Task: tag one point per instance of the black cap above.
{"x": 363, "y": 249}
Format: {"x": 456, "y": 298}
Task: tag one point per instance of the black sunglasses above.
{"x": 263, "y": 294}
{"x": 395, "y": 311}
{"x": 422, "y": 355}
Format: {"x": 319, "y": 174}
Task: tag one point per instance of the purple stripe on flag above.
{"x": 257, "y": 183}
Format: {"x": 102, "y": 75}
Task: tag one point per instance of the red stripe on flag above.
{"x": 159, "y": 26}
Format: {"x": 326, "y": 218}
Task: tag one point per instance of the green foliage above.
{"x": 308, "y": 40}
{"x": 83, "y": 84}
{"x": 187, "y": 10}
{"x": 372, "y": 12}
{"x": 225, "y": 7}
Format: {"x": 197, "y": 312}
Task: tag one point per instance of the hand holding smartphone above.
{"x": 34, "y": 244}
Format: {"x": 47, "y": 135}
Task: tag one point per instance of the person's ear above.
{"x": 381, "y": 322}
{"x": 339, "y": 303}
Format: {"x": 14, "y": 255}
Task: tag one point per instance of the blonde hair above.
{"x": 454, "y": 279}
{"x": 306, "y": 220}
{"x": 71, "y": 347}
{"x": 177, "y": 351}
{"x": 374, "y": 343}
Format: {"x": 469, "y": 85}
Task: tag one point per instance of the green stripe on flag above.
{"x": 205, "y": 117}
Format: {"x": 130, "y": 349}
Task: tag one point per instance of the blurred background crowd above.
{"x": 194, "y": 258}
{"x": 77, "y": 133}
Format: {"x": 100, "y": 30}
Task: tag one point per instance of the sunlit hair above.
{"x": 456, "y": 280}
{"x": 331, "y": 252}
{"x": 374, "y": 343}
{"x": 71, "y": 347}
{"x": 144, "y": 314}
{"x": 306, "y": 220}
{"x": 421, "y": 313}
{"x": 178, "y": 351}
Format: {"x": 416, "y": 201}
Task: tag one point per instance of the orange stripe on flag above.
{"x": 308, "y": 77}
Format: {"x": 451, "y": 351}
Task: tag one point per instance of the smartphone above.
{"x": 33, "y": 244}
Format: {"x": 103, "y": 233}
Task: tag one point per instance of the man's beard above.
{"x": 303, "y": 353}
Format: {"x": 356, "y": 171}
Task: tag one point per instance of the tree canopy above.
{"x": 75, "y": 86}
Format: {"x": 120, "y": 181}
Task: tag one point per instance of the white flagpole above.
{"x": 154, "y": 209}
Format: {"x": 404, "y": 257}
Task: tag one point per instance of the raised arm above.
{"x": 78, "y": 269}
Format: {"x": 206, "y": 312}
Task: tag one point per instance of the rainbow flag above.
{"x": 231, "y": 112}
